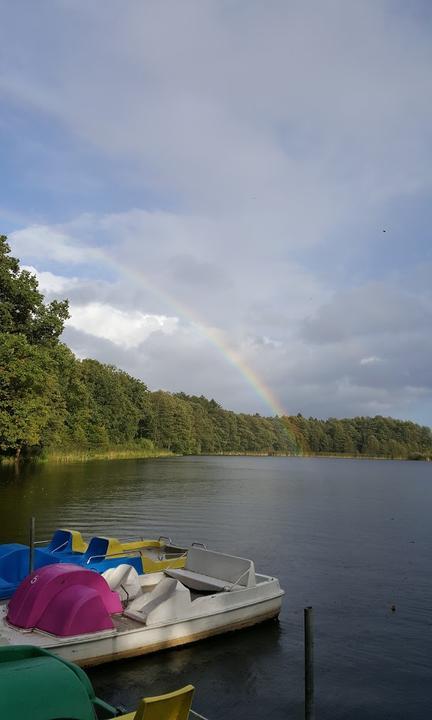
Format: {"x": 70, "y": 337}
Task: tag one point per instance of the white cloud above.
{"x": 51, "y": 283}
{"x": 51, "y": 244}
{"x": 371, "y": 360}
{"x": 126, "y": 329}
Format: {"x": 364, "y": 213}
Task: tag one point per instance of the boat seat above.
{"x": 124, "y": 580}
{"x": 174, "y": 705}
{"x": 197, "y": 581}
{"x": 169, "y": 599}
{"x": 209, "y": 571}
{"x": 61, "y": 541}
{"x": 96, "y": 550}
{"x": 11, "y": 547}
{"x": 66, "y": 542}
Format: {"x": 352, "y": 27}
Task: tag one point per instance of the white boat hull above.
{"x": 136, "y": 639}
{"x": 147, "y": 640}
{"x": 213, "y": 594}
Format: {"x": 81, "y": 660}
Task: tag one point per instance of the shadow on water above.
{"x": 229, "y": 673}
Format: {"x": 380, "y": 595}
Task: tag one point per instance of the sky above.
{"x": 234, "y": 195}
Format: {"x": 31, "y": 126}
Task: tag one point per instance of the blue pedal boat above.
{"x": 100, "y": 554}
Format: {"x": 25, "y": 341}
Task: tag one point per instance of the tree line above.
{"x": 50, "y": 400}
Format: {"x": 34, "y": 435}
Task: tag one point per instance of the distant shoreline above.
{"x": 70, "y": 456}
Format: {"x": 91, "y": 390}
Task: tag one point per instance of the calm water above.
{"x": 351, "y": 538}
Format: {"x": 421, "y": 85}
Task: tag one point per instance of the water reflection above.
{"x": 350, "y": 538}
{"x": 228, "y": 672}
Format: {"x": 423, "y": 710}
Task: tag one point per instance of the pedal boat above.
{"x": 100, "y": 554}
{"x": 36, "y": 684}
{"x": 90, "y": 619}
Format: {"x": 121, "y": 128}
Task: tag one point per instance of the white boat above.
{"x": 131, "y": 614}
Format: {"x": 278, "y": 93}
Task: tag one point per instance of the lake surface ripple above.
{"x": 352, "y": 538}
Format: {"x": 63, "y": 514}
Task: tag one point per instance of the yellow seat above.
{"x": 78, "y": 544}
{"x": 172, "y": 706}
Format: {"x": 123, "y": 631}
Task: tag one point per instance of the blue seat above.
{"x": 15, "y": 558}
{"x": 96, "y": 551}
{"x": 61, "y": 541}
{"x": 10, "y": 547}
{"x": 97, "y": 557}
{"x": 14, "y": 567}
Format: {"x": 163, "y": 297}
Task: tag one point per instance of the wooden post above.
{"x": 309, "y": 660}
{"x": 32, "y": 543}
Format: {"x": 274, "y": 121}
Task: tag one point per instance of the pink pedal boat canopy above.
{"x": 64, "y": 600}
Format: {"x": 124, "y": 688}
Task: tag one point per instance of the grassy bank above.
{"x": 415, "y": 456}
{"x": 304, "y": 454}
{"x": 128, "y": 453}
{"x": 61, "y": 456}
{"x": 143, "y": 449}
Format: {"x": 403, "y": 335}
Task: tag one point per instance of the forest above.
{"x": 50, "y": 401}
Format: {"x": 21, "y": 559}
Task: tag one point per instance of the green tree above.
{"x": 30, "y": 398}
{"x": 22, "y": 309}
{"x": 173, "y": 423}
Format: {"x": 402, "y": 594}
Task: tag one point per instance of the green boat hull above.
{"x": 36, "y": 684}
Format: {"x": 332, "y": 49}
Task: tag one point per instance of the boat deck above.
{"x": 13, "y": 636}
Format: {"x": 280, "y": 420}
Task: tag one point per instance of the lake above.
{"x": 352, "y": 538}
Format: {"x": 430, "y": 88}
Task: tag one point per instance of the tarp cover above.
{"x": 64, "y": 600}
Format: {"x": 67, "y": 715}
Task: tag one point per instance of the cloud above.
{"x": 282, "y": 106}
{"x": 52, "y": 244}
{"x": 227, "y": 169}
{"x": 127, "y": 329}
{"x": 363, "y": 350}
{"x": 372, "y": 359}
{"x": 372, "y": 309}
{"x": 49, "y": 283}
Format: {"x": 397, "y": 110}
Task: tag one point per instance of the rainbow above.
{"x": 215, "y": 337}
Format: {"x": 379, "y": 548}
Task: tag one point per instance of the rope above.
{"x": 192, "y": 712}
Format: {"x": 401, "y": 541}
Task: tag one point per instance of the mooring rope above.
{"x": 192, "y": 712}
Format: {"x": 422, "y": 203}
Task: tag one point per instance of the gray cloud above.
{"x": 372, "y": 309}
{"x": 259, "y": 137}
{"x": 225, "y": 105}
